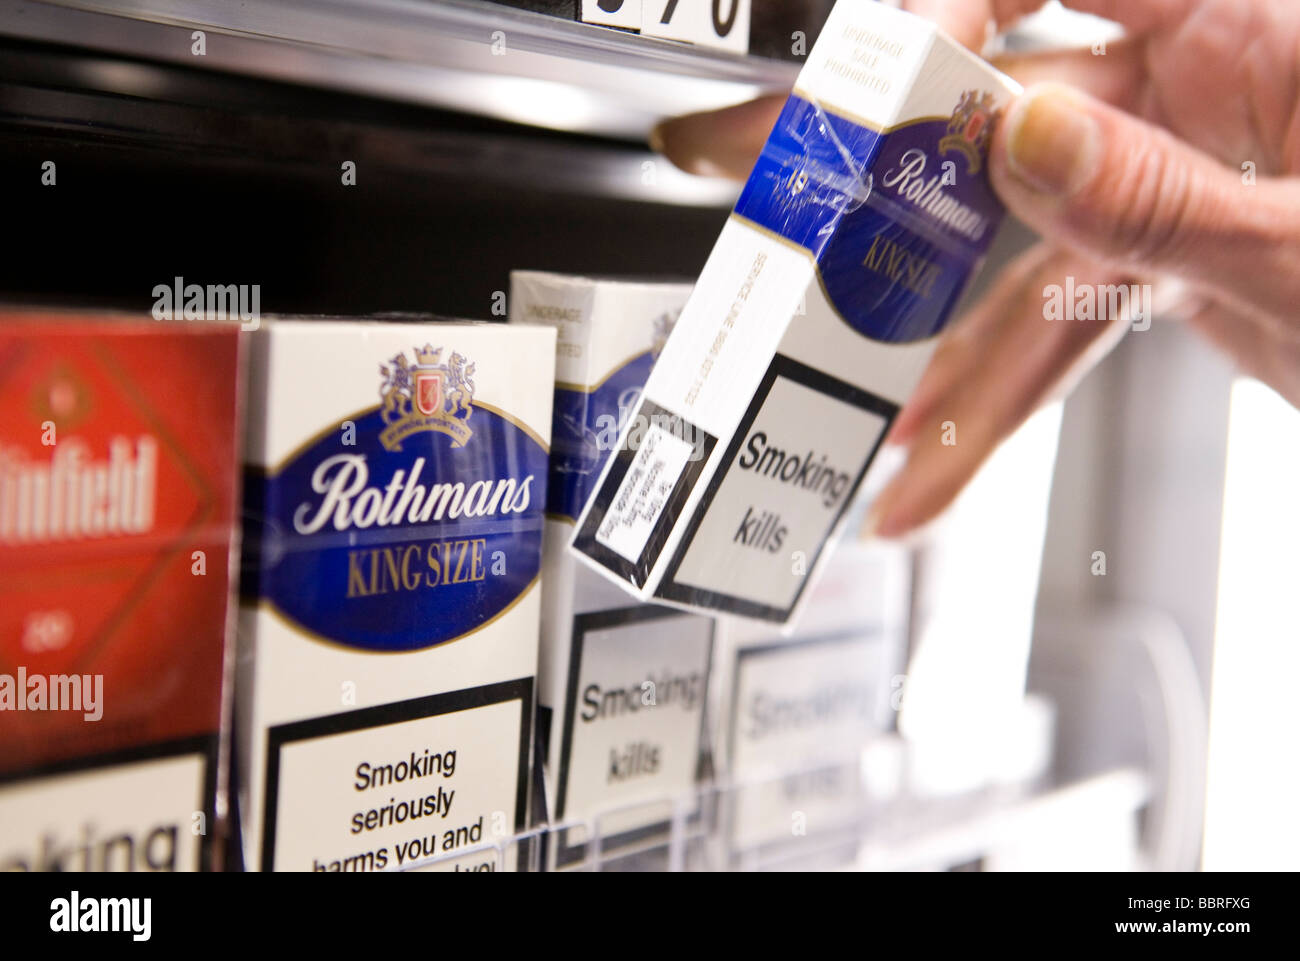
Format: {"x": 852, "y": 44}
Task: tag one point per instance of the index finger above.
{"x": 970, "y": 22}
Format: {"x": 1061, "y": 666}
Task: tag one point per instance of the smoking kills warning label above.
{"x": 795, "y": 464}
{"x": 634, "y": 717}
{"x": 811, "y": 700}
{"x": 395, "y": 786}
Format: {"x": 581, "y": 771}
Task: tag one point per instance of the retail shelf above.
{"x": 477, "y": 58}
{"x": 988, "y": 829}
{"x": 446, "y": 203}
{"x": 134, "y": 104}
{"x": 968, "y": 833}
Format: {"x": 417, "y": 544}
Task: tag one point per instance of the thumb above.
{"x": 1119, "y": 189}
{"x": 719, "y": 143}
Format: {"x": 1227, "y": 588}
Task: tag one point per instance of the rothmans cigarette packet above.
{"x": 794, "y": 712}
{"x": 621, "y": 685}
{"x": 866, "y": 214}
{"x": 395, "y": 493}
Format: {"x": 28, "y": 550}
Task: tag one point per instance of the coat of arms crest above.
{"x": 426, "y": 395}
{"x": 970, "y": 128}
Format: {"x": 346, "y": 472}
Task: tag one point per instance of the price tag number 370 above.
{"x": 708, "y": 23}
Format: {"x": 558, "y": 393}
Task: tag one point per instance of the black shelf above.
{"x": 230, "y": 179}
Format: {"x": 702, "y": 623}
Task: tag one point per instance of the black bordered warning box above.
{"x": 362, "y": 787}
{"x": 793, "y": 467}
{"x": 131, "y": 809}
{"x": 816, "y": 698}
{"x": 644, "y": 492}
{"x": 635, "y": 708}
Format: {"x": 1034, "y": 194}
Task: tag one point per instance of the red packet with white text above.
{"x": 118, "y": 497}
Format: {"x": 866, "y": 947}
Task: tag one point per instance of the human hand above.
{"x": 1134, "y": 166}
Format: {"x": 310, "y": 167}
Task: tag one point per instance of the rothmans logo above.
{"x": 970, "y": 127}
{"x": 426, "y": 395}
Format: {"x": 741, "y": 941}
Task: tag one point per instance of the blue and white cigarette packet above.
{"x": 868, "y": 211}
{"x": 621, "y": 685}
{"x": 388, "y": 636}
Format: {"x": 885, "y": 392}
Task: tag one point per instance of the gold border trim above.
{"x": 268, "y": 606}
{"x": 821, "y": 283}
{"x": 544, "y": 445}
{"x": 317, "y": 437}
{"x": 590, "y": 388}
{"x": 771, "y": 234}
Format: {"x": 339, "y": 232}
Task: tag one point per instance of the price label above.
{"x": 613, "y": 13}
{"x": 710, "y": 23}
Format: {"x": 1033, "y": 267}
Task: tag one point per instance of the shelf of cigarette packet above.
{"x": 479, "y": 58}
{"x": 757, "y": 826}
{"x": 488, "y": 147}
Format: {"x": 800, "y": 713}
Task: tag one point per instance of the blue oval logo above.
{"x": 419, "y": 523}
{"x": 896, "y": 220}
{"x": 584, "y": 428}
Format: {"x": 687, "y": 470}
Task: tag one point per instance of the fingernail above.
{"x": 656, "y": 138}
{"x": 1052, "y": 140}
